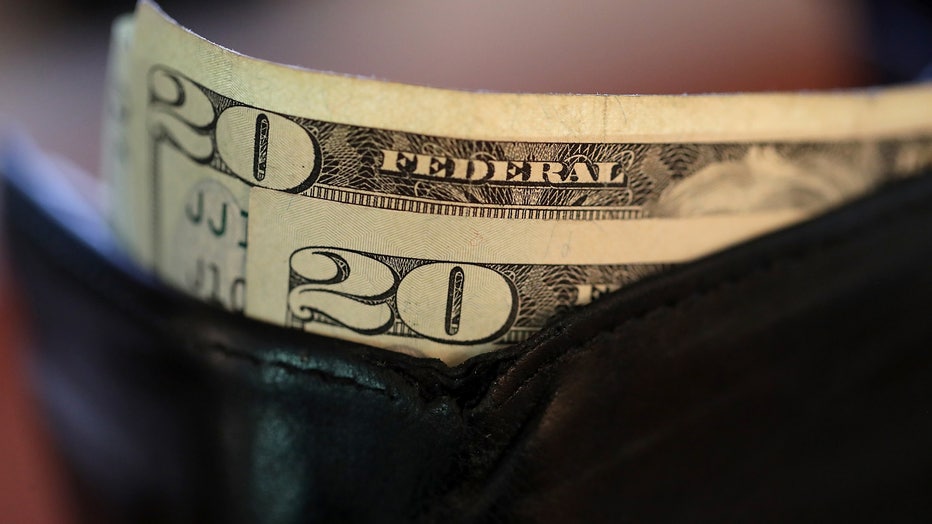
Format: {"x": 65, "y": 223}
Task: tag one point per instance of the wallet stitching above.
{"x": 802, "y": 252}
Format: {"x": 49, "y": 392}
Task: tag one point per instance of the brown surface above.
{"x": 31, "y": 480}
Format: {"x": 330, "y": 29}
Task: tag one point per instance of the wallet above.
{"x": 786, "y": 378}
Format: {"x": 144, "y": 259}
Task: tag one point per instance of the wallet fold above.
{"x": 789, "y": 377}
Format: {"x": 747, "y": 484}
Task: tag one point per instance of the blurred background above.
{"x": 53, "y": 59}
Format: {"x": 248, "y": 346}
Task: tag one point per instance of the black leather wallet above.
{"x": 788, "y": 378}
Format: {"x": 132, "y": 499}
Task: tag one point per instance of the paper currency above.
{"x": 437, "y": 184}
{"x": 453, "y": 286}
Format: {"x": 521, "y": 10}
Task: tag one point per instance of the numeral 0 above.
{"x": 266, "y": 149}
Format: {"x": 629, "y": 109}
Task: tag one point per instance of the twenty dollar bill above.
{"x": 448, "y": 223}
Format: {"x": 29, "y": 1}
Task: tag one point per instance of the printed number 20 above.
{"x": 448, "y": 302}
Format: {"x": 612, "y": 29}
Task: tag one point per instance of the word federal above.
{"x": 579, "y": 171}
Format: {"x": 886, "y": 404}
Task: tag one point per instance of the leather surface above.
{"x": 787, "y": 378}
